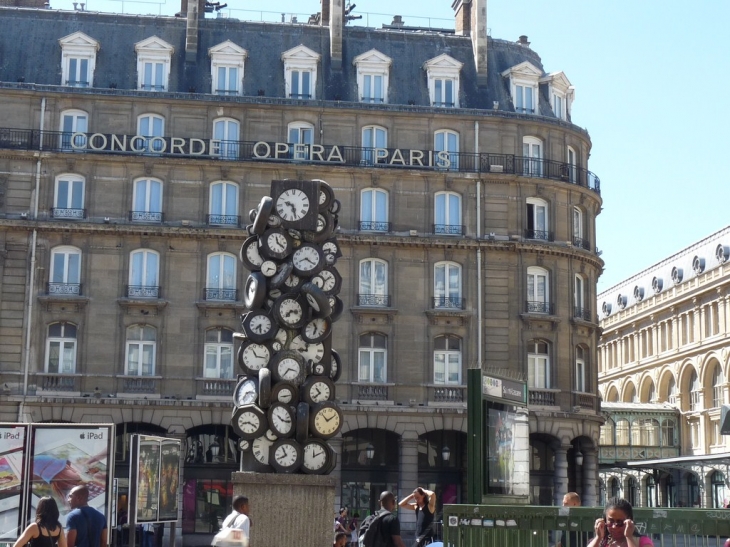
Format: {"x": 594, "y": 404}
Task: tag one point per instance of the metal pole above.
{"x": 474, "y": 442}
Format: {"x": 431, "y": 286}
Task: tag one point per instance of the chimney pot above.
{"x": 523, "y": 41}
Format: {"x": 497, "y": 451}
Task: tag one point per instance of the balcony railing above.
{"x": 64, "y": 289}
{"x": 449, "y": 229}
{"x": 582, "y": 243}
{"x": 537, "y": 306}
{"x": 221, "y": 294}
{"x": 375, "y": 300}
{"x": 223, "y": 220}
{"x": 61, "y": 212}
{"x": 143, "y": 291}
{"x": 584, "y": 400}
{"x": 372, "y": 392}
{"x": 216, "y": 387}
{"x": 152, "y": 87}
{"x": 349, "y": 156}
{"x": 452, "y": 302}
{"x": 145, "y": 216}
{"x": 543, "y": 235}
{"x": 582, "y": 313}
{"x": 137, "y": 384}
{"x": 58, "y": 382}
{"x": 300, "y": 96}
{"x": 76, "y": 83}
{"x": 448, "y": 394}
{"x": 374, "y": 226}
{"x": 542, "y": 397}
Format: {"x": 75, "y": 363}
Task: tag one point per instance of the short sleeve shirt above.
{"x": 390, "y": 527}
{"x": 88, "y": 523}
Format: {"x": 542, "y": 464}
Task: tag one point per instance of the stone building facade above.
{"x": 663, "y": 369}
{"x": 131, "y": 151}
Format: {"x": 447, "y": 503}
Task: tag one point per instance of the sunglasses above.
{"x": 616, "y": 523}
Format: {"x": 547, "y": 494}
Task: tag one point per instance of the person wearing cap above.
{"x": 390, "y": 526}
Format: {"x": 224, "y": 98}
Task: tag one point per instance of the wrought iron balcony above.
{"x": 542, "y": 397}
{"x": 216, "y": 387}
{"x": 443, "y": 105}
{"x": 341, "y": 155}
{"x": 226, "y": 92}
{"x": 145, "y": 216}
{"x": 372, "y": 392}
{"x": 300, "y": 96}
{"x": 538, "y": 306}
{"x": 543, "y": 235}
{"x": 221, "y": 294}
{"x": 452, "y": 302}
{"x": 582, "y": 313}
{"x": 59, "y": 382}
{"x": 72, "y": 289}
{"x": 448, "y": 394}
{"x": 74, "y": 83}
{"x": 449, "y": 229}
{"x": 375, "y": 300}
{"x": 152, "y": 87}
{"x": 74, "y": 214}
{"x": 143, "y": 291}
{"x": 374, "y": 226}
{"x": 582, "y": 243}
{"x": 137, "y": 384}
{"x": 224, "y": 220}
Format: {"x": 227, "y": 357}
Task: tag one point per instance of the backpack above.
{"x": 371, "y": 530}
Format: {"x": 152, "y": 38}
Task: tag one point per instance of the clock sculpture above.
{"x": 284, "y": 409}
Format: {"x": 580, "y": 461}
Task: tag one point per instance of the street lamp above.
{"x": 215, "y": 449}
{"x": 446, "y": 453}
{"x": 579, "y": 458}
{"x": 370, "y": 452}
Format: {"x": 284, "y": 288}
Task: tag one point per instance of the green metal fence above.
{"x": 539, "y": 526}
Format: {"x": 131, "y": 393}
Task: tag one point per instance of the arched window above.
{"x": 373, "y": 287}
{"x": 301, "y": 139}
{"x": 61, "y": 348}
{"x": 147, "y": 201}
{"x": 717, "y": 480}
{"x": 447, "y": 214}
{"x": 572, "y": 159}
{"x": 538, "y": 364}
{"x": 672, "y": 391}
{"x": 223, "y": 204}
{"x": 68, "y": 199}
{"x": 447, "y": 285}
{"x": 374, "y": 210}
{"x": 221, "y": 277}
{"x": 538, "y": 225}
{"x": 65, "y": 276}
{"x": 144, "y": 272}
{"x": 580, "y": 310}
{"x": 447, "y": 360}
{"x": 614, "y": 488}
{"x": 630, "y": 393}
{"x": 218, "y": 353}
{"x": 141, "y": 350}
{"x": 151, "y": 126}
{"x": 581, "y": 369}
{"x": 718, "y": 381}
{"x": 695, "y": 391}
{"x": 373, "y": 358}
{"x": 632, "y": 490}
{"x": 373, "y": 137}
{"x": 532, "y": 157}
{"x": 651, "y": 492}
{"x": 650, "y": 393}
{"x": 446, "y": 149}
{"x": 73, "y": 122}
{"x": 693, "y": 490}
{"x": 538, "y": 290}
{"x": 225, "y": 143}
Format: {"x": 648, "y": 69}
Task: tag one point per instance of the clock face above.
{"x": 293, "y": 281}
{"x": 280, "y": 339}
{"x": 292, "y": 205}
{"x": 316, "y": 330}
{"x": 331, "y": 252}
{"x": 260, "y": 324}
{"x": 320, "y": 391}
{"x": 249, "y": 254}
{"x": 307, "y": 260}
{"x": 249, "y": 422}
{"x": 281, "y": 419}
{"x": 276, "y": 243}
{"x": 328, "y": 280}
{"x": 255, "y": 356}
{"x": 244, "y": 445}
{"x": 246, "y": 392}
{"x": 289, "y": 369}
{"x": 260, "y": 449}
{"x": 271, "y": 435}
{"x": 268, "y": 268}
{"x": 290, "y": 311}
{"x": 315, "y": 456}
{"x": 286, "y": 455}
{"x": 310, "y": 352}
{"x": 326, "y": 420}
{"x": 286, "y": 393}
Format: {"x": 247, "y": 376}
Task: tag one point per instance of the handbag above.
{"x": 230, "y": 536}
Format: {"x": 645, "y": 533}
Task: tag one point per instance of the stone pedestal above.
{"x": 288, "y": 509}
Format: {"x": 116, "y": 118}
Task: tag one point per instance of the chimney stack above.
{"x": 191, "y": 31}
{"x": 471, "y": 20}
{"x": 336, "y": 20}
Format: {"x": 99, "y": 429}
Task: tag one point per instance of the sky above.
{"x": 646, "y": 75}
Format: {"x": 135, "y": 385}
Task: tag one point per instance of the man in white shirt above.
{"x": 238, "y": 517}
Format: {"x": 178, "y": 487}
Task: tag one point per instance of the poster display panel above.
{"x": 65, "y": 456}
{"x": 169, "y": 479}
{"x": 500, "y": 449}
{"x": 155, "y": 475}
{"x": 13, "y": 440}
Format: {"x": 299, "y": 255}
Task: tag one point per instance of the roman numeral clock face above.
{"x": 292, "y": 205}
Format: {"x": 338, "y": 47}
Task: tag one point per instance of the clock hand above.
{"x": 317, "y": 455}
{"x": 257, "y": 355}
{"x": 326, "y": 419}
{"x": 318, "y": 392}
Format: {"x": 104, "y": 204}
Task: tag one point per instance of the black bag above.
{"x": 371, "y": 530}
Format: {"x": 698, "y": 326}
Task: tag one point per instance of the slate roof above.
{"x": 29, "y": 49}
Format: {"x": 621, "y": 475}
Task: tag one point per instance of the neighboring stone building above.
{"x": 663, "y": 369}
{"x": 131, "y": 151}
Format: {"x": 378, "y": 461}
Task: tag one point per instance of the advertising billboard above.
{"x": 154, "y": 478}
{"x": 13, "y": 439}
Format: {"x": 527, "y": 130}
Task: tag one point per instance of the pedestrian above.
{"x": 575, "y": 538}
{"x": 390, "y": 527}
{"x": 354, "y": 527}
{"x": 341, "y": 521}
{"x": 85, "y": 526}
{"x": 238, "y": 517}
{"x": 46, "y": 531}
{"x": 423, "y": 502}
{"x": 340, "y": 539}
{"x": 616, "y": 527}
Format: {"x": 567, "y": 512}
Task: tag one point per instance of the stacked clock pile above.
{"x": 284, "y": 400}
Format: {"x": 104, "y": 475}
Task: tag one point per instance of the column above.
{"x": 408, "y": 479}
{"x": 560, "y": 482}
{"x": 336, "y": 444}
{"x": 522, "y": 453}
{"x": 590, "y": 477}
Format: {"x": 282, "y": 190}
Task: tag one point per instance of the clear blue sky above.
{"x": 651, "y": 80}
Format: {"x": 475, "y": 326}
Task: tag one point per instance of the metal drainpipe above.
{"x": 479, "y": 252}
{"x": 31, "y": 280}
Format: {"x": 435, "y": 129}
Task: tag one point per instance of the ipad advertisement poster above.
{"x": 69, "y": 456}
{"x": 12, "y": 480}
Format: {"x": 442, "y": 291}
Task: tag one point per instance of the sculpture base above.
{"x": 288, "y": 509}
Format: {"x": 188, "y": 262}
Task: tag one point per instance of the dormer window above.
{"x": 78, "y": 60}
{"x": 373, "y": 69}
{"x": 561, "y": 94}
{"x": 443, "y": 81}
{"x": 300, "y": 72}
{"x": 154, "y": 57}
{"x": 226, "y": 68}
{"x": 523, "y": 87}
